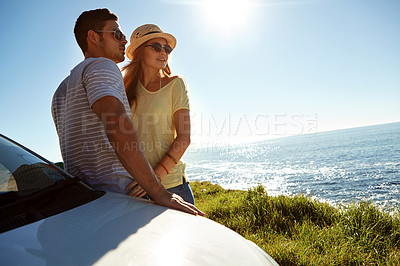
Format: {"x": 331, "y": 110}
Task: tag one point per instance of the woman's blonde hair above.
{"x": 134, "y": 72}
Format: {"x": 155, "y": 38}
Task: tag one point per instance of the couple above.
{"x": 125, "y": 134}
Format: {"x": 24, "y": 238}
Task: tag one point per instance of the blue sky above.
{"x": 256, "y": 69}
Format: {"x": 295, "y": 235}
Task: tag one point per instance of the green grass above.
{"x": 298, "y": 230}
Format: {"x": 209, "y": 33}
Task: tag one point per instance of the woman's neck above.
{"x": 151, "y": 77}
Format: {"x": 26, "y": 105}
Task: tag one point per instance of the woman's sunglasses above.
{"x": 118, "y": 34}
{"x": 158, "y": 47}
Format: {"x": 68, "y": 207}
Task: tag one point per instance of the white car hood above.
{"x": 119, "y": 230}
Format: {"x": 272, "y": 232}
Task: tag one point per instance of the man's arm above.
{"x": 122, "y": 135}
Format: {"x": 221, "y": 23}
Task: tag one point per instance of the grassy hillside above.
{"x": 297, "y": 230}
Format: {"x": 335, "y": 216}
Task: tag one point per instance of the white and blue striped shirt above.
{"x": 85, "y": 148}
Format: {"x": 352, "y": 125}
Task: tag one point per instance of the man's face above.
{"x": 111, "y": 47}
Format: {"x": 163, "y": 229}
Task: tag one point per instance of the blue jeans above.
{"x": 184, "y": 191}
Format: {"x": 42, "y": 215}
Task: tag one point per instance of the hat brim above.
{"x": 134, "y": 45}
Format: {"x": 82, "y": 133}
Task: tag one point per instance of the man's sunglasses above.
{"x": 118, "y": 34}
{"x": 158, "y": 47}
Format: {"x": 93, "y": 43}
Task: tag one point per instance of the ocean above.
{"x": 358, "y": 164}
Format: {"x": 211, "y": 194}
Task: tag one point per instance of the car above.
{"x": 49, "y": 217}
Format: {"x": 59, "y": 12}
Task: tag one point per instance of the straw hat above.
{"x": 147, "y": 32}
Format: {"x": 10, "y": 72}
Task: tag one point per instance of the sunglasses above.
{"x": 118, "y": 34}
{"x": 158, "y": 47}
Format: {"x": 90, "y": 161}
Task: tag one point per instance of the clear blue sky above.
{"x": 256, "y": 69}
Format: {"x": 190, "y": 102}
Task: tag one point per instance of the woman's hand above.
{"x": 136, "y": 190}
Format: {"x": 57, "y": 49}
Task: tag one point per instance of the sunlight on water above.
{"x": 337, "y": 167}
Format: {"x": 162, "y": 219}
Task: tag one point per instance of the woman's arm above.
{"x": 180, "y": 144}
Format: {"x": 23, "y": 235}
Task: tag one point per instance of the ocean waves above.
{"x": 338, "y": 167}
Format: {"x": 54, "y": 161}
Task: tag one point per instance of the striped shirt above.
{"x": 85, "y": 148}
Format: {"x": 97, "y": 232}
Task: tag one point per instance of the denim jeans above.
{"x": 184, "y": 191}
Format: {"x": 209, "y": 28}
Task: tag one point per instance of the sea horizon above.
{"x": 337, "y": 166}
{"x": 217, "y": 145}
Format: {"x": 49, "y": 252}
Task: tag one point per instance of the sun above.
{"x": 227, "y": 16}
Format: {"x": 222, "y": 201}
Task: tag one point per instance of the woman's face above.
{"x": 152, "y": 58}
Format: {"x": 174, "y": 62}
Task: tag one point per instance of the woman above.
{"x": 160, "y": 106}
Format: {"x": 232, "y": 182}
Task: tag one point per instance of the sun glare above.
{"x": 225, "y": 16}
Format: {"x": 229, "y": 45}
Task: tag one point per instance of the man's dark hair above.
{"x": 91, "y": 20}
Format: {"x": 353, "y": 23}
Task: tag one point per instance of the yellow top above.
{"x": 153, "y": 118}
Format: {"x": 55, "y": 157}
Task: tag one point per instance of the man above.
{"x": 92, "y": 116}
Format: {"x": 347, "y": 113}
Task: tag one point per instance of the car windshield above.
{"x": 23, "y": 172}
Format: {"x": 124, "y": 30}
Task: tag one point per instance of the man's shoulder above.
{"x": 93, "y": 64}
{"x": 61, "y": 90}
{"x": 98, "y": 60}
{"x": 90, "y": 64}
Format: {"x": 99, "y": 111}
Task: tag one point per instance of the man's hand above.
{"x": 174, "y": 201}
